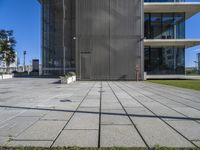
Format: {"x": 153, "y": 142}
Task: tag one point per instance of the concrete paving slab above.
{"x": 155, "y": 132}
{"x": 42, "y": 130}
{"x": 82, "y": 109}
{"x": 120, "y": 135}
{"x": 8, "y": 114}
{"x": 176, "y": 99}
{"x": 114, "y": 117}
{"x": 82, "y": 129}
{"x": 138, "y": 111}
{"x": 29, "y": 143}
{"x": 111, "y": 106}
{"x": 80, "y": 138}
{"x": 90, "y": 103}
{"x": 33, "y": 113}
{"x": 14, "y": 127}
{"x": 84, "y": 121}
{"x": 75, "y": 98}
{"x": 190, "y": 112}
{"x": 57, "y": 116}
{"x": 188, "y": 128}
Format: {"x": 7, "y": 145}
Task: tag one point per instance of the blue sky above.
{"x": 23, "y": 16}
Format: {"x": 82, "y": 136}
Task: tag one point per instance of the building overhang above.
{"x": 190, "y": 8}
{"x": 187, "y": 43}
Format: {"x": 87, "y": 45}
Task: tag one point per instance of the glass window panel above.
{"x": 147, "y": 30}
{"x": 164, "y": 26}
{"x": 156, "y": 26}
{"x": 167, "y": 26}
{"x": 179, "y": 21}
{"x": 165, "y": 60}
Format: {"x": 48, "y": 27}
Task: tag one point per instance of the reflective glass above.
{"x": 164, "y": 60}
{"x": 164, "y": 0}
{"x": 164, "y": 25}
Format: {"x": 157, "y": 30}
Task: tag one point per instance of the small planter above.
{"x": 67, "y": 80}
{"x": 74, "y": 78}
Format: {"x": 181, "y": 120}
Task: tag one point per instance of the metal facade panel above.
{"x": 125, "y": 31}
{"x": 86, "y": 65}
{"x": 92, "y": 34}
{"x": 107, "y": 30}
{"x": 110, "y": 30}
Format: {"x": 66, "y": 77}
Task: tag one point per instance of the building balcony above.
{"x": 189, "y": 8}
{"x": 187, "y": 43}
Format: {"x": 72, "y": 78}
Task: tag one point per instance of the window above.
{"x": 164, "y": 25}
{"x": 164, "y": 0}
{"x": 155, "y": 26}
{"x": 160, "y": 61}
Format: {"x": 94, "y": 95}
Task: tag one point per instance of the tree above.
{"x": 7, "y": 45}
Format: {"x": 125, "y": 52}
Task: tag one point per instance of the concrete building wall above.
{"x": 108, "y": 39}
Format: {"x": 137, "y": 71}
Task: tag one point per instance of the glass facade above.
{"x": 169, "y": 60}
{"x": 164, "y": 25}
{"x": 164, "y": 60}
{"x": 58, "y": 52}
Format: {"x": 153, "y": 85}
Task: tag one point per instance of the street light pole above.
{"x": 24, "y": 61}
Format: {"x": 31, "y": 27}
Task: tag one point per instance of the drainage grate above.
{"x": 65, "y": 100}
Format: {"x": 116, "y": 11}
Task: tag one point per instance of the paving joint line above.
{"x": 99, "y": 130}
{"x": 158, "y": 116}
{"x": 71, "y": 116}
{"x": 129, "y": 118}
{"x": 39, "y": 119}
{"x": 167, "y": 87}
{"x": 187, "y": 99}
{"x": 173, "y": 100}
{"x": 165, "y": 105}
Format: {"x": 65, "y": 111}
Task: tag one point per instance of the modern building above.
{"x": 115, "y": 39}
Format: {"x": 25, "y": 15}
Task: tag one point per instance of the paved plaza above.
{"x": 42, "y": 112}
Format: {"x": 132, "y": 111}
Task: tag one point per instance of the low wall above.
{"x": 6, "y": 76}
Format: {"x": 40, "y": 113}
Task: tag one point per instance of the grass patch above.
{"x": 188, "y": 84}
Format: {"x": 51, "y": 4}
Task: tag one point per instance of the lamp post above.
{"x": 24, "y": 61}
